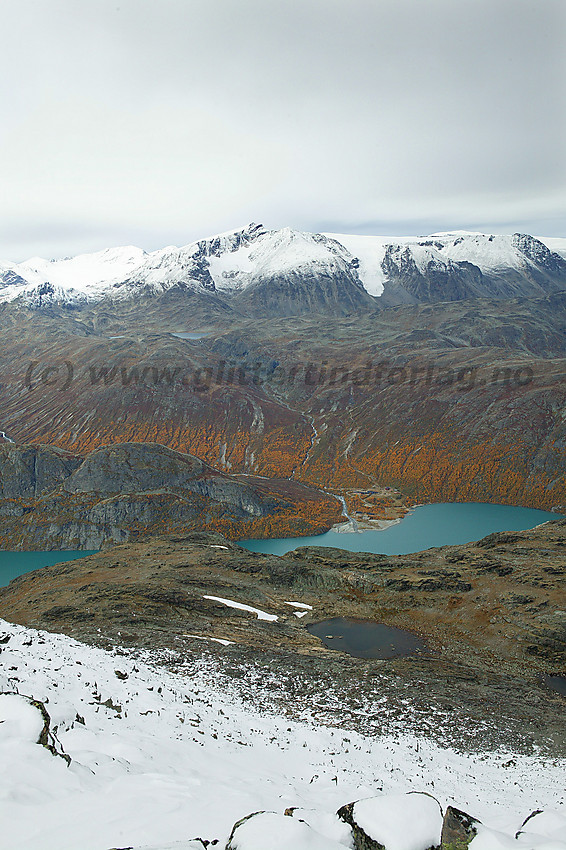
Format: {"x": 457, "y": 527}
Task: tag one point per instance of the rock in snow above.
{"x": 458, "y": 828}
{"x": 263, "y": 830}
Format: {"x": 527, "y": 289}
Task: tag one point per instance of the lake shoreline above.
{"x": 473, "y": 605}
{"x": 424, "y": 526}
{"x": 366, "y": 525}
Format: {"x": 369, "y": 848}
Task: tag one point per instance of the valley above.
{"x": 283, "y": 425}
{"x": 449, "y": 403}
{"x": 263, "y": 384}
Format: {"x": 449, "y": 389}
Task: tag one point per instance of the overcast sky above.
{"x": 155, "y": 122}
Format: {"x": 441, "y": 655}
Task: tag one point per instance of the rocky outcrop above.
{"x": 546, "y": 261}
{"x": 437, "y": 281}
{"x": 132, "y": 468}
{"x": 130, "y": 490}
{"x": 145, "y": 468}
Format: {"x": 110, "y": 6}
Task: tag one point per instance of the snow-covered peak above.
{"x": 273, "y": 254}
{"x": 488, "y": 252}
{"x": 290, "y": 249}
{"x": 84, "y": 271}
{"x": 491, "y": 254}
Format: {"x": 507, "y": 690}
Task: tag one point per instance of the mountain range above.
{"x": 259, "y": 272}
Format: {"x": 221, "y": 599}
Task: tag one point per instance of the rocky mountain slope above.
{"x": 452, "y": 402}
{"x": 260, "y": 272}
{"x": 301, "y": 370}
{"x": 51, "y": 499}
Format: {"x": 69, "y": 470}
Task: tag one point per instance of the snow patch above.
{"x": 299, "y": 605}
{"x": 261, "y": 615}
{"x": 222, "y": 641}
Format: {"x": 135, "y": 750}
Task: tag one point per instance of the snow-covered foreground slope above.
{"x": 162, "y": 756}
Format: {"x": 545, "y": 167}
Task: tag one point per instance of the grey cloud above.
{"x": 134, "y": 120}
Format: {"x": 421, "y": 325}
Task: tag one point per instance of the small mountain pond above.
{"x": 191, "y": 334}
{"x": 555, "y": 683}
{"x": 366, "y": 639}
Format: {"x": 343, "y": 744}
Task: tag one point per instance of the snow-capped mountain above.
{"x": 289, "y": 272}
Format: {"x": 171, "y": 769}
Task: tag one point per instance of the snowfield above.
{"x": 164, "y": 754}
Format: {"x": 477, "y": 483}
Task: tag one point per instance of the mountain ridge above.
{"x": 257, "y": 271}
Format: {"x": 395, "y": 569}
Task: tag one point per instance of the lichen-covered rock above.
{"x": 458, "y": 829}
{"x": 395, "y": 822}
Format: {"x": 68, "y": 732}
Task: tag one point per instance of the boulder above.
{"x": 326, "y": 823}
{"x": 458, "y": 829}
{"x": 395, "y": 822}
{"x": 548, "y": 824}
{"x": 270, "y": 831}
{"x": 26, "y": 718}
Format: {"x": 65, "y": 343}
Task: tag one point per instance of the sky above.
{"x": 158, "y": 123}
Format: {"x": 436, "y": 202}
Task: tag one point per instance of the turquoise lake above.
{"x": 14, "y": 564}
{"x": 425, "y": 527}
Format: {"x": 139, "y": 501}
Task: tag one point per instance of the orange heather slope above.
{"x": 447, "y": 404}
